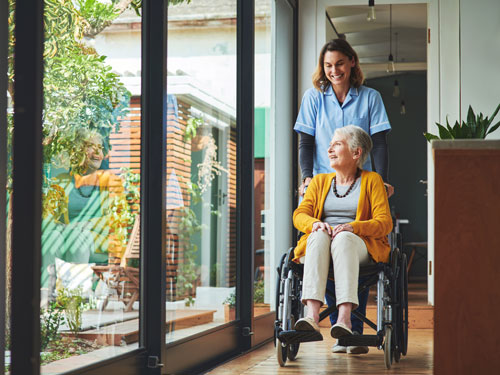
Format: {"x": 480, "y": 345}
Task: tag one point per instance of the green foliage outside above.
{"x": 67, "y": 347}
{"x": 258, "y": 294}
{"x": 72, "y": 302}
{"x": 189, "y": 225}
{"x": 192, "y": 126}
{"x": 476, "y": 127}
{"x": 50, "y": 320}
{"x": 81, "y": 95}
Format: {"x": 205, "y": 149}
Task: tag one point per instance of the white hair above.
{"x": 357, "y": 138}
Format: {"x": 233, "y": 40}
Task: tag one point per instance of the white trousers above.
{"x": 348, "y": 252}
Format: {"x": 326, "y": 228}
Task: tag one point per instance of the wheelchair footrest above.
{"x": 294, "y": 337}
{"x": 360, "y": 340}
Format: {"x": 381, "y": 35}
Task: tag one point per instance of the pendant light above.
{"x": 395, "y": 91}
{"x": 402, "y": 109}
{"x": 371, "y": 11}
{"x": 391, "y": 68}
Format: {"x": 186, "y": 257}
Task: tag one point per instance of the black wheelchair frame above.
{"x": 391, "y": 327}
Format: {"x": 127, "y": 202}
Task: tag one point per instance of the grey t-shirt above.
{"x": 341, "y": 210}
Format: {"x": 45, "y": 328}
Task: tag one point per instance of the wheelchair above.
{"x": 391, "y": 328}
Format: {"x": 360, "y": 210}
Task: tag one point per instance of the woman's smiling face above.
{"x": 94, "y": 154}
{"x": 337, "y": 67}
{"x": 339, "y": 153}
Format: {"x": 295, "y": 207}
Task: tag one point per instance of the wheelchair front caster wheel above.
{"x": 388, "y": 347}
{"x": 281, "y": 353}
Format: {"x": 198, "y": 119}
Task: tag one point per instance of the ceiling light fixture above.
{"x": 402, "y": 110}
{"x": 371, "y": 11}
{"x": 395, "y": 91}
{"x": 391, "y": 68}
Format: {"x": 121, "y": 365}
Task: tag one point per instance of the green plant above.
{"x": 50, "y": 320}
{"x": 188, "y": 227}
{"x": 230, "y": 300}
{"x": 131, "y": 183}
{"x": 258, "y": 291}
{"x": 72, "y": 302}
{"x": 476, "y": 126}
{"x": 66, "y": 347}
{"x": 191, "y": 128}
{"x": 258, "y": 294}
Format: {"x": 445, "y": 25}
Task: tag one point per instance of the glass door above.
{"x": 90, "y": 279}
{"x": 6, "y": 33}
{"x": 201, "y": 154}
{"x": 85, "y": 283}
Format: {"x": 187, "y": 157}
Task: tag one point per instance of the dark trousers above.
{"x": 357, "y": 324}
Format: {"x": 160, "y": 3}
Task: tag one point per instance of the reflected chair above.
{"x": 124, "y": 278}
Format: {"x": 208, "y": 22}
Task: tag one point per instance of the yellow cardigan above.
{"x": 373, "y": 217}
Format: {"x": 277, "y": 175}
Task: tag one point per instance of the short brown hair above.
{"x": 320, "y": 81}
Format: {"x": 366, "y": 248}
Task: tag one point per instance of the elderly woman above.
{"x": 345, "y": 217}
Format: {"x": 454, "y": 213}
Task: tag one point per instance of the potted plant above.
{"x": 465, "y": 220}
{"x": 230, "y": 307}
{"x": 476, "y": 127}
{"x": 259, "y": 307}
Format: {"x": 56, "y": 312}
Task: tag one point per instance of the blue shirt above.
{"x": 320, "y": 114}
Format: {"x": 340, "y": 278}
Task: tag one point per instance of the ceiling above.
{"x": 371, "y": 40}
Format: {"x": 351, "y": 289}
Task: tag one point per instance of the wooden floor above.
{"x": 316, "y": 358}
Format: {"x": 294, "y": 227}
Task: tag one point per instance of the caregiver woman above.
{"x": 337, "y": 99}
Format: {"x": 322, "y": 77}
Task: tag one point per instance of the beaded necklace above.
{"x": 86, "y": 195}
{"x": 350, "y": 187}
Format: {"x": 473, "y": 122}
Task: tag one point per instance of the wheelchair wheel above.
{"x": 388, "y": 347}
{"x": 297, "y": 313}
{"x": 278, "y": 285}
{"x": 293, "y": 350}
{"x": 281, "y": 353}
{"x": 404, "y": 306}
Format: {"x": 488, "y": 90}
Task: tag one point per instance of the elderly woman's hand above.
{"x": 340, "y": 228}
{"x": 318, "y": 225}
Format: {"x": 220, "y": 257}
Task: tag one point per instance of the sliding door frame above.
{"x": 27, "y": 195}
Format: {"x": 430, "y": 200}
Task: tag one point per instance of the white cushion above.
{"x": 74, "y": 275}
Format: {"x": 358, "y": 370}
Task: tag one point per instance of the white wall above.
{"x": 279, "y": 188}
{"x": 205, "y": 54}
{"x": 480, "y": 57}
{"x": 465, "y": 45}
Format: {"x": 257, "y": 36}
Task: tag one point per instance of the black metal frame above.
{"x": 295, "y": 106}
{"x": 26, "y": 197}
{"x": 153, "y": 176}
{"x": 4, "y": 36}
{"x": 27, "y": 189}
{"x": 245, "y": 21}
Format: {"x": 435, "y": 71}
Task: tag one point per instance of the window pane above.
{"x": 6, "y": 180}
{"x": 201, "y": 167}
{"x": 91, "y": 168}
{"x": 262, "y": 279}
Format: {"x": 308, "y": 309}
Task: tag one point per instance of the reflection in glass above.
{"x": 6, "y": 262}
{"x": 201, "y": 167}
{"x": 262, "y": 283}
{"x": 91, "y": 166}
